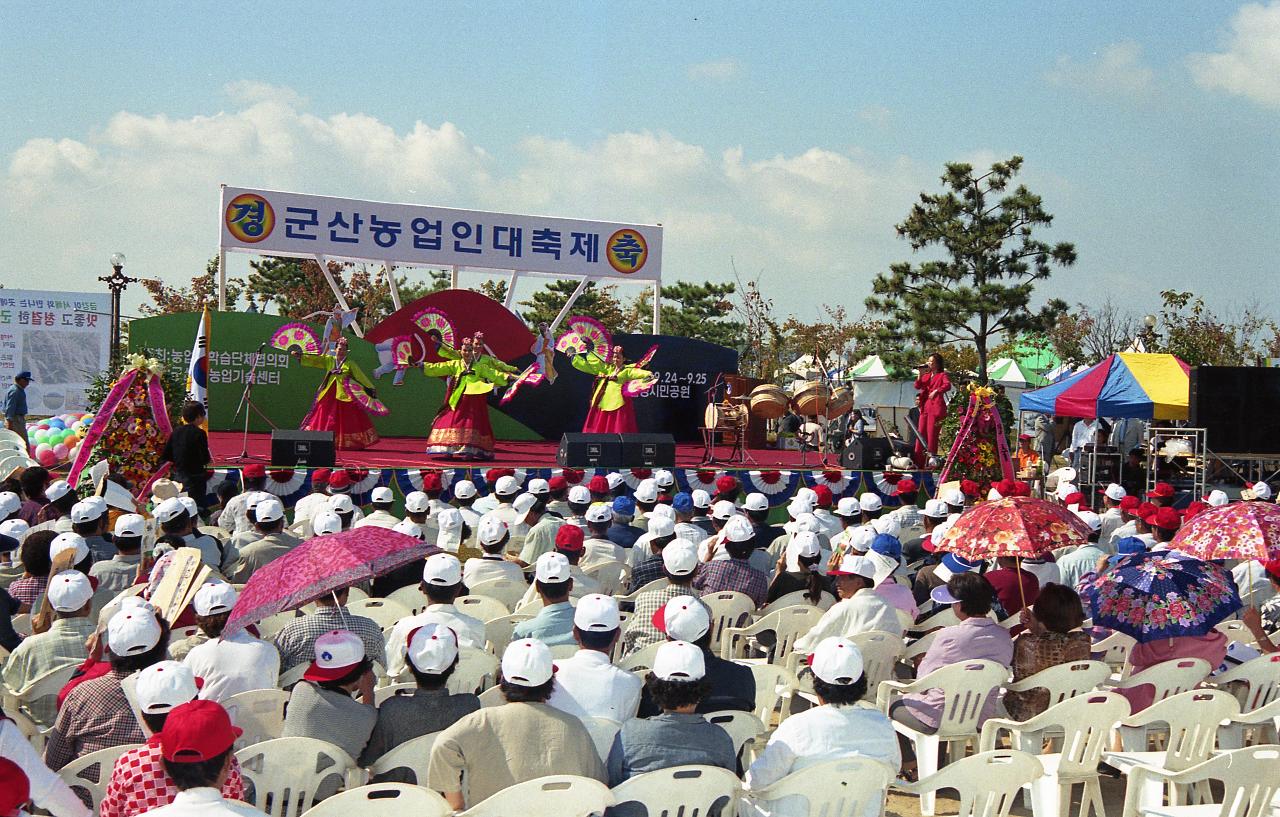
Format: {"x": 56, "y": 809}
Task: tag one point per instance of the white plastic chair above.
{"x": 383, "y": 612}
{"x": 602, "y": 731}
{"x": 381, "y": 694}
{"x": 290, "y": 677}
{"x": 943, "y": 618}
{"x": 609, "y": 575}
{"x": 1258, "y": 681}
{"x": 507, "y": 591}
{"x": 1065, "y": 681}
{"x": 795, "y": 599}
{"x": 43, "y": 688}
{"x": 633, "y": 595}
{"x": 411, "y": 598}
{"x": 101, "y": 761}
{"x": 986, "y": 782}
{"x": 1248, "y": 777}
{"x": 481, "y": 608}
{"x": 787, "y": 625}
{"x": 1114, "y": 651}
{"x": 848, "y": 787}
{"x": 1085, "y": 723}
{"x": 477, "y": 670}
{"x": 1166, "y": 678}
{"x": 681, "y": 791}
{"x": 1235, "y": 631}
{"x": 1250, "y": 728}
{"x": 259, "y": 712}
{"x": 966, "y": 688}
{"x": 774, "y": 687}
{"x": 1193, "y": 718}
{"x": 560, "y": 795}
{"x": 641, "y": 659}
{"x": 497, "y": 632}
{"x": 414, "y": 755}
{"x": 270, "y": 626}
{"x": 880, "y": 651}
{"x": 728, "y": 609}
{"x": 741, "y": 726}
{"x": 383, "y": 800}
{"x": 286, "y": 772}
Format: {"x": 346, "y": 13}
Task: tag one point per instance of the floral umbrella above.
{"x": 1243, "y": 530}
{"x": 1019, "y": 526}
{"x": 1162, "y": 594}
{"x": 320, "y": 566}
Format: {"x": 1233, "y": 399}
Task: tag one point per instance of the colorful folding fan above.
{"x": 296, "y": 336}
{"x": 531, "y": 376}
{"x": 432, "y": 320}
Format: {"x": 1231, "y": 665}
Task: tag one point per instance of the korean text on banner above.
{"x": 299, "y": 225}
{"x": 63, "y": 338}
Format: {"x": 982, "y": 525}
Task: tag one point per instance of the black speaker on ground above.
{"x": 590, "y": 451}
{"x": 648, "y": 451}
{"x": 866, "y": 454}
{"x": 1238, "y": 406}
{"x": 313, "y": 449}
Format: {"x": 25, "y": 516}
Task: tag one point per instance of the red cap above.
{"x": 339, "y": 481}
{"x": 492, "y": 475}
{"x": 569, "y": 537}
{"x": 906, "y": 485}
{"x": 822, "y": 496}
{"x": 431, "y": 481}
{"x": 968, "y": 487}
{"x": 726, "y": 484}
{"x": 1021, "y": 488}
{"x": 1076, "y": 498}
{"x": 1195, "y": 508}
{"x": 598, "y": 484}
{"x": 1273, "y": 568}
{"x": 320, "y": 476}
{"x": 1166, "y": 518}
{"x": 1130, "y": 503}
{"x": 1163, "y": 490}
{"x": 197, "y": 731}
{"x": 253, "y": 470}
{"x": 281, "y": 474}
{"x": 15, "y": 788}
{"x": 573, "y": 475}
{"x": 557, "y": 483}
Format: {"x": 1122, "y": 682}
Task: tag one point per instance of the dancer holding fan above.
{"x": 617, "y": 382}
{"x": 462, "y": 428}
{"x": 346, "y": 396}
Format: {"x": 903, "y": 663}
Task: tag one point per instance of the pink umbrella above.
{"x": 320, "y": 566}
{"x": 1241, "y": 530}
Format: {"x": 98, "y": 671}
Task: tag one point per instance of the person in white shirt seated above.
{"x": 859, "y": 610}
{"x": 1112, "y": 515}
{"x": 599, "y": 549}
{"x": 1082, "y": 560}
{"x": 381, "y": 499}
{"x": 492, "y": 536}
{"x": 345, "y": 508}
{"x": 588, "y": 685}
{"x": 441, "y": 584}
{"x": 196, "y": 746}
{"x": 174, "y": 520}
{"x": 228, "y": 664}
{"x": 842, "y": 725}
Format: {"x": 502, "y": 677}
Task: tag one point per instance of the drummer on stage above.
{"x": 932, "y": 384}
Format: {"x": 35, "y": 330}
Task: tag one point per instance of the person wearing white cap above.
{"x": 346, "y": 509}
{"x": 10, "y": 504}
{"x": 497, "y": 747}
{"x": 121, "y": 571}
{"x": 598, "y": 548}
{"x": 96, "y": 714}
{"x": 552, "y": 580}
{"x": 73, "y": 542}
{"x": 701, "y": 510}
{"x": 844, "y": 724}
{"x": 678, "y": 736}
{"x": 56, "y": 513}
{"x": 797, "y": 569}
{"x": 646, "y": 555}
{"x": 1112, "y": 516}
{"x": 678, "y": 561}
{"x": 381, "y": 499}
{"x": 685, "y": 618}
{"x": 453, "y": 530}
{"x": 322, "y": 705}
{"x": 588, "y": 685}
{"x": 229, "y": 664}
{"x": 540, "y": 527}
{"x": 175, "y": 520}
{"x": 1257, "y": 491}
{"x": 859, "y": 610}
{"x": 578, "y": 500}
{"x": 492, "y": 565}
{"x": 62, "y": 645}
{"x": 465, "y": 495}
{"x": 442, "y": 584}
{"x": 89, "y": 519}
{"x": 505, "y": 489}
{"x": 273, "y": 541}
{"x": 712, "y": 547}
{"x": 804, "y": 522}
{"x": 432, "y": 653}
{"x": 1084, "y": 559}
{"x": 736, "y": 572}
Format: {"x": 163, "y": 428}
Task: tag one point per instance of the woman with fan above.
{"x": 617, "y": 382}
{"x": 345, "y": 399}
{"x": 461, "y": 428}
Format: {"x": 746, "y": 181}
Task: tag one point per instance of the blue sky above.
{"x": 790, "y": 143}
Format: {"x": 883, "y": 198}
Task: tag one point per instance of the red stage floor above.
{"x": 409, "y": 452}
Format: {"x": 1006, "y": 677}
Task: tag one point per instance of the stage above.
{"x": 410, "y": 452}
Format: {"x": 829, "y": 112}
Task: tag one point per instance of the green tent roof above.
{"x": 1034, "y": 357}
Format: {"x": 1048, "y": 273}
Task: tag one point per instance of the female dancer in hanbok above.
{"x": 617, "y": 382}
{"x": 461, "y": 428}
{"x": 344, "y": 401}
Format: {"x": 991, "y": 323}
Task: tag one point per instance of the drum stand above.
{"x": 739, "y": 455}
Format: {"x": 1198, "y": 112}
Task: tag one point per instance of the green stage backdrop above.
{"x": 284, "y": 388}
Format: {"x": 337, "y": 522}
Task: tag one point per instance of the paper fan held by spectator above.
{"x": 130, "y": 428}
{"x": 1162, "y": 594}
{"x": 1242, "y": 530}
{"x": 980, "y": 451}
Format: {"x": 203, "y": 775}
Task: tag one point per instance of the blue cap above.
{"x": 624, "y": 506}
{"x": 1130, "y": 545}
{"x": 887, "y": 545}
{"x": 957, "y": 564}
{"x": 23, "y": 376}
{"x": 682, "y": 502}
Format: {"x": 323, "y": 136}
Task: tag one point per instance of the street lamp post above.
{"x": 1149, "y": 333}
{"x": 116, "y": 283}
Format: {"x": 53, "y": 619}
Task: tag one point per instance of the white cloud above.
{"x": 817, "y": 222}
{"x": 1116, "y": 69}
{"x": 724, "y": 69}
{"x": 1250, "y": 64}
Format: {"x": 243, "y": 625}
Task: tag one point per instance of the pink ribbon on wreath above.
{"x": 155, "y": 395}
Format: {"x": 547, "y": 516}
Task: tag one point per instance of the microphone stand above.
{"x": 247, "y": 405}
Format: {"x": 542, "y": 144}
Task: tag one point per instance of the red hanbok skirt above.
{"x": 352, "y": 429}
{"x": 463, "y": 431}
{"x": 618, "y": 421}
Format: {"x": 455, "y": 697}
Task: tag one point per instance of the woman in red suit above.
{"x": 931, "y": 386}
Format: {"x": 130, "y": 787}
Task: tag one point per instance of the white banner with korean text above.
{"x": 269, "y": 222}
{"x": 62, "y": 338}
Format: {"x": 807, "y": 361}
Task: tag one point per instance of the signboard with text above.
{"x": 269, "y": 222}
{"x": 63, "y": 338}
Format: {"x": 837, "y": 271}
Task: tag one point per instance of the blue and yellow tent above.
{"x": 1128, "y": 384}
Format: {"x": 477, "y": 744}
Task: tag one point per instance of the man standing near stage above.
{"x": 15, "y": 405}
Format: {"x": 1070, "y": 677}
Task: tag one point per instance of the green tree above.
{"x": 494, "y": 289}
{"x": 982, "y": 284}
{"x": 596, "y": 302}
{"x": 704, "y": 311}
{"x": 1199, "y": 337}
{"x": 203, "y": 290}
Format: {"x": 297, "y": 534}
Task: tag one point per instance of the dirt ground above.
{"x": 906, "y": 805}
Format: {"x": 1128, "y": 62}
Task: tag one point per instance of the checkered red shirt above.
{"x": 139, "y": 784}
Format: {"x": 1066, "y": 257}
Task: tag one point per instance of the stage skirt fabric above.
{"x": 618, "y": 421}
{"x": 351, "y": 427}
{"x": 463, "y": 431}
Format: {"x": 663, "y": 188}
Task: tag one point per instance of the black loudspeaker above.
{"x": 866, "y": 454}
{"x": 1238, "y": 406}
{"x": 590, "y": 451}
{"x": 313, "y": 449}
{"x": 648, "y": 451}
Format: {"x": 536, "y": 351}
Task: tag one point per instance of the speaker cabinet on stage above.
{"x": 866, "y": 454}
{"x": 590, "y": 451}
{"x": 648, "y": 451}
{"x": 313, "y": 449}
{"x": 1239, "y": 408}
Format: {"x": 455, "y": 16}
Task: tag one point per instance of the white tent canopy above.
{"x": 869, "y": 368}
